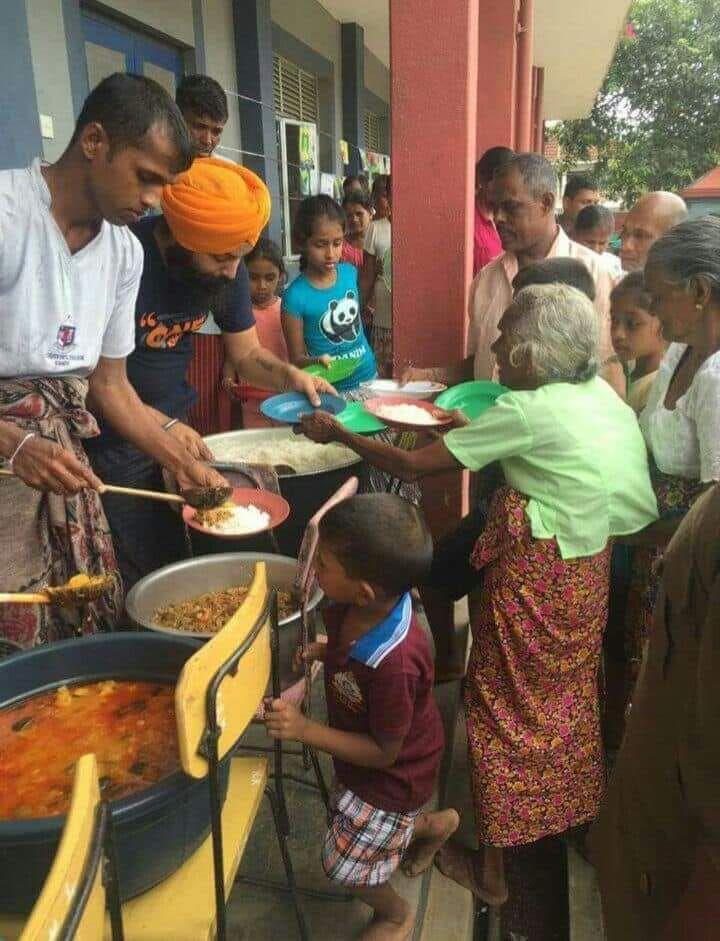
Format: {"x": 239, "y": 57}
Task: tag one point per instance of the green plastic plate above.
{"x": 338, "y": 370}
{"x": 355, "y": 418}
{"x": 471, "y": 398}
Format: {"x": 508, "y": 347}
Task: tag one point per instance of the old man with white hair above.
{"x": 576, "y": 474}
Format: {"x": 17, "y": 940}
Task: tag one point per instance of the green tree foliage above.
{"x": 656, "y": 121}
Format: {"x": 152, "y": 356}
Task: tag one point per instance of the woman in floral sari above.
{"x": 681, "y": 422}
{"x": 576, "y": 472}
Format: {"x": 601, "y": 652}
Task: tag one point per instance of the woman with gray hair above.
{"x": 576, "y": 471}
{"x": 681, "y": 421}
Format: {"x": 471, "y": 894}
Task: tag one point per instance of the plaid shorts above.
{"x": 364, "y": 845}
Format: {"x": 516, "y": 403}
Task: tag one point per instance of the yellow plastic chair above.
{"x": 216, "y": 698}
{"x": 72, "y": 902}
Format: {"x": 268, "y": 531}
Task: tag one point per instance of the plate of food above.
{"x": 246, "y": 513}
{"x": 290, "y": 407}
{"x": 471, "y": 398}
{"x": 399, "y": 411}
{"x": 418, "y": 389}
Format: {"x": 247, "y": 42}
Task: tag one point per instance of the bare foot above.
{"x": 382, "y": 929}
{"x": 465, "y": 866}
{"x": 434, "y": 830}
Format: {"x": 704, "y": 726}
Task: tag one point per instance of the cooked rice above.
{"x": 302, "y": 455}
{"x": 208, "y": 613}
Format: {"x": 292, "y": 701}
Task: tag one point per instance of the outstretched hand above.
{"x": 320, "y": 427}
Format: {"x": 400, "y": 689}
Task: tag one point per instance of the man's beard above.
{"x": 202, "y": 292}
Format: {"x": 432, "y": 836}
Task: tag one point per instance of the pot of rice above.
{"x": 196, "y": 598}
{"x": 320, "y": 469}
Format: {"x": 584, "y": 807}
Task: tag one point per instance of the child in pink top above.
{"x": 267, "y": 273}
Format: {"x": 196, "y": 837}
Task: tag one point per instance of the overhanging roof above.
{"x": 574, "y": 40}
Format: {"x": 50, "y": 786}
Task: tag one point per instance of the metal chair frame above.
{"x": 102, "y": 854}
{"x": 209, "y": 750}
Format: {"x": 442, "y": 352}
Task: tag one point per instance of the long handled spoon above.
{"x": 79, "y": 590}
{"x": 202, "y": 498}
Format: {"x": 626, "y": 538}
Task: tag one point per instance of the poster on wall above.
{"x": 338, "y": 194}
{"x": 363, "y": 159}
{"x": 327, "y": 184}
{"x": 344, "y": 152}
{"x": 308, "y": 160}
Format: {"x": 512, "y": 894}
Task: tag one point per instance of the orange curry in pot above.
{"x": 129, "y": 725}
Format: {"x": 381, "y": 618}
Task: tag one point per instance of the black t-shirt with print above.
{"x": 164, "y": 328}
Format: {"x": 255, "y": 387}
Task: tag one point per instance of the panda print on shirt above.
{"x": 332, "y": 324}
{"x": 341, "y": 321}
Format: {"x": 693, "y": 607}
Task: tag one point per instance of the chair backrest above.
{"x": 306, "y": 556}
{"x": 77, "y": 862}
{"x": 239, "y": 694}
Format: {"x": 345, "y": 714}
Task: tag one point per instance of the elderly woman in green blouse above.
{"x": 576, "y": 471}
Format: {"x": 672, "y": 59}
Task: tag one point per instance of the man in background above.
{"x": 580, "y": 191}
{"x": 594, "y": 227}
{"x": 651, "y": 216}
{"x": 486, "y": 243}
{"x": 203, "y": 104}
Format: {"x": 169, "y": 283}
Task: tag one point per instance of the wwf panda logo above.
{"x": 341, "y": 321}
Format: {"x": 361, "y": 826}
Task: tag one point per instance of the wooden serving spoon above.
{"x": 79, "y": 590}
{"x": 201, "y": 498}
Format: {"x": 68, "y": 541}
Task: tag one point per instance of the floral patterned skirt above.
{"x": 531, "y": 695}
{"x": 675, "y": 496}
{"x": 45, "y": 538}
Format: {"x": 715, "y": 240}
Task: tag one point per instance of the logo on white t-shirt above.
{"x": 65, "y": 337}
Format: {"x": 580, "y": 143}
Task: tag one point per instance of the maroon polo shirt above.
{"x": 391, "y": 700}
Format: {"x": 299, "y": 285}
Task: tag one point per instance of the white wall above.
{"x": 220, "y": 64}
{"x": 50, "y": 67}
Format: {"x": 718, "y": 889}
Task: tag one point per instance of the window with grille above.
{"x": 295, "y": 91}
{"x": 373, "y": 131}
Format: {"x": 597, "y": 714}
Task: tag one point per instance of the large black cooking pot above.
{"x": 305, "y": 492}
{"x": 156, "y": 829}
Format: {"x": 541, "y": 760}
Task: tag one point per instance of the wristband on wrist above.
{"x": 18, "y": 449}
{"x": 168, "y": 424}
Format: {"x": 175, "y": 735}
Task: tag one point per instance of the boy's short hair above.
{"x": 569, "y": 271}
{"x": 202, "y": 96}
{"x": 381, "y": 539}
{"x": 633, "y": 283}
{"x": 595, "y": 217}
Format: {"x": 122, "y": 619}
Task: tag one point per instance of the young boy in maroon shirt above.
{"x": 385, "y": 734}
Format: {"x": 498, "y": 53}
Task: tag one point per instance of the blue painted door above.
{"x": 111, "y": 47}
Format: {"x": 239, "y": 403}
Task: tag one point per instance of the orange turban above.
{"x": 216, "y": 206}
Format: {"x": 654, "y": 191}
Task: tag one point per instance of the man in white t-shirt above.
{"x": 69, "y": 276}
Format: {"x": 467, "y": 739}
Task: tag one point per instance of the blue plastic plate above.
{"x": 289, "y": 407}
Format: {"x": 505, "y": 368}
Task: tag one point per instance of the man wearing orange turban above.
{"x": 193, "y": 273}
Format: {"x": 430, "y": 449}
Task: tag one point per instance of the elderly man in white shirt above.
{"x": 524, "y": 206}
{"x": 69, "y": 276}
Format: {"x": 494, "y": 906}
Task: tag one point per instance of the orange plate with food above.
{"x": 128, "y": 724}
{"x": 401, "y": 411}
{"x": 246, "y": 513}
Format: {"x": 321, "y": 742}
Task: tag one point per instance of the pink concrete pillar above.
{"x": 523, "y": 130}
{"x": 497, "y": 68}
{"x": 434, "y": 61}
